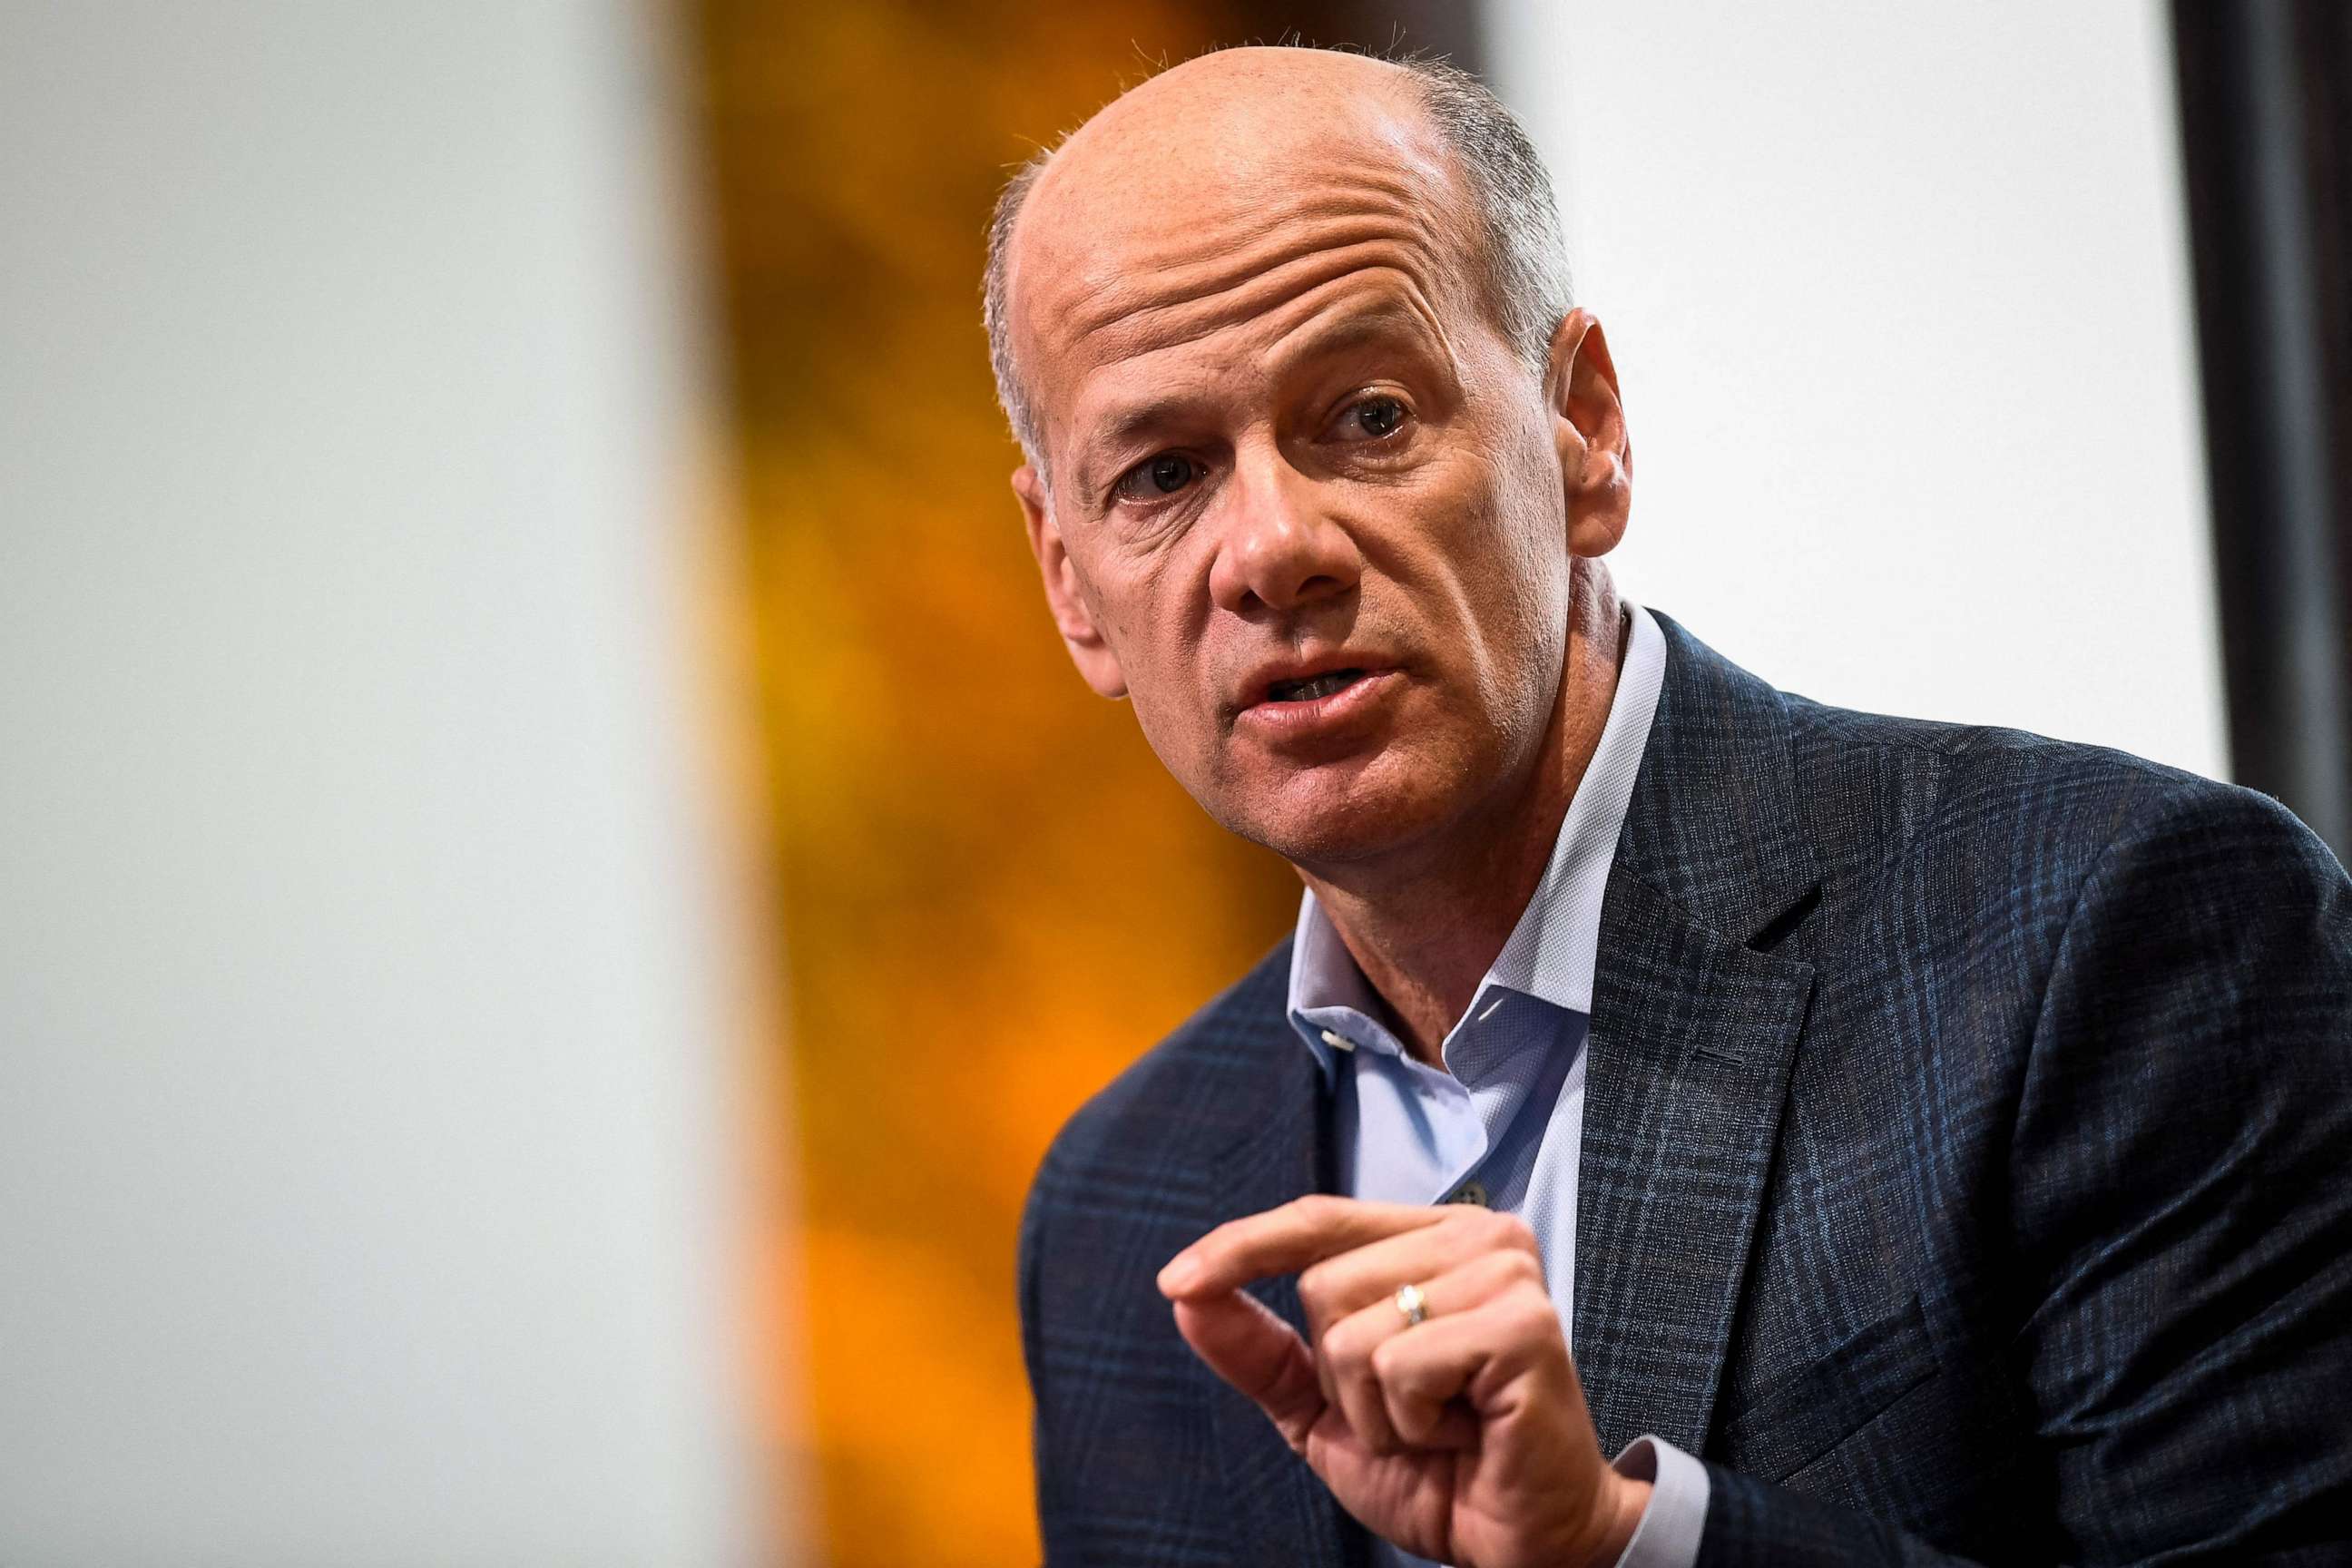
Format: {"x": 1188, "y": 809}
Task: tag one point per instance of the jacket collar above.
{"x": 1712, "y": 823}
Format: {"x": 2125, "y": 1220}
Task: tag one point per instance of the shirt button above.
{"x": 1472, "y": 1193}
{"x": 1337, "y": 1041}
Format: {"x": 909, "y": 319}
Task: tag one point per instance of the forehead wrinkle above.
{"x": 1323, "y": 320}
{"x": 1253, "y": 297}
{"x": 1323, "y": 330}
{"x": 1101, "y": 244}
{"x": 1364, "y": 295}
{"x": 1212, "y": 256}
{"x": 1255, "y": 207}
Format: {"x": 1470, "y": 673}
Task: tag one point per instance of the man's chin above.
{"x": 1316, "y": 821}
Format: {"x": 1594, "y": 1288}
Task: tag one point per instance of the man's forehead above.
{"x": 1224, "y": 188}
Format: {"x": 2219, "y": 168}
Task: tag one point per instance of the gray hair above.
{"x": 1527, "y": 262}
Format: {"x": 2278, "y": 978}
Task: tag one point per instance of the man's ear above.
{"x": 1073, "y": 617}
{"x": 1596, "y": 455}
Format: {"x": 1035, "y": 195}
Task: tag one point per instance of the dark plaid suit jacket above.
{"x": 1967, "y": 1172}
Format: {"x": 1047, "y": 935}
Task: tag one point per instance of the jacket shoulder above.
{"x": 2023, "y": 802}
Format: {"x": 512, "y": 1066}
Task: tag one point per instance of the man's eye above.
{"x": 1375, "y": 418}
{"x": 1155, "y": 477}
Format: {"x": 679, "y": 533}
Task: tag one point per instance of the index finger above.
{"x": 1299, "y": 1235}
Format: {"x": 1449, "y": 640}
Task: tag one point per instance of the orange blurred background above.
{"x": 993, "y": 897}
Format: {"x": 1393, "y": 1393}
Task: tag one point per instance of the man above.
{"x": 1929, "y": 1142}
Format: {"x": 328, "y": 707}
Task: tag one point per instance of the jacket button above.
{"x": 1474, "y": 1193}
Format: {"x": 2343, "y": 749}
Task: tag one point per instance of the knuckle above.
{"x": 1516, "y": 1233}
{"x": 1533, "y": 1317}
{"x": 1341, "y": 1350}
{"x": 1315, "y": 1208}
{"x": 1499, "y": 1272}
{"x": 1314, "y": 1285}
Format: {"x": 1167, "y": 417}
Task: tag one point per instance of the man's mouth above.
{"x": 1329, "y": 683}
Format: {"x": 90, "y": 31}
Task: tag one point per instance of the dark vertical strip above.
{"x": 2263, "y": 108}
{"x": 1445, "y": 28}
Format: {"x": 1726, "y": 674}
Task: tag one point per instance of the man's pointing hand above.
{"x": 1463, "y": 1437}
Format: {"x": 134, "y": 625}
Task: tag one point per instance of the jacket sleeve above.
{"x": 2180, "y": 1209}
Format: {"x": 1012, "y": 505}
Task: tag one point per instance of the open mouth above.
{"x": 1329, "y": 683}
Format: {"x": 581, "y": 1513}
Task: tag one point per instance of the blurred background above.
{"x": 554, "y": 878}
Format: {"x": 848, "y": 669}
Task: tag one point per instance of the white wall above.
{"x": 1899, "y": 297}
{"x": 365, "y": 1010}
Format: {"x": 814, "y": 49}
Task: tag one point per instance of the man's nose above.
{"x": 1280, "y": 549}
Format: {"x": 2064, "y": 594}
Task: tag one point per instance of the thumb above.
{"x": 1251, "y": 1348}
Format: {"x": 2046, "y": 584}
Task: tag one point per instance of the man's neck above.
{"x": 1425, "y": 934}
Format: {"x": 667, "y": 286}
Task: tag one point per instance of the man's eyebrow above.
{"x": 1140, "y": 418}
{"x": 1124, "y": 426}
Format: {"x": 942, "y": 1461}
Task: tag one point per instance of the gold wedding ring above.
{"x": 1411, "y": 1305}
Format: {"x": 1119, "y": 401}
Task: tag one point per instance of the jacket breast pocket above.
{"x": 1805, "y": 1415}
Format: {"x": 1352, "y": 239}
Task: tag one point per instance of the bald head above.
{"x": 1173, "y": 170}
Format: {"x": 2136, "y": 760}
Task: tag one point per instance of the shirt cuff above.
{"x": 1670, "y": 1527}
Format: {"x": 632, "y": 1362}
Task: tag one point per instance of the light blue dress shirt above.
{"x": 1503, "y": 1122}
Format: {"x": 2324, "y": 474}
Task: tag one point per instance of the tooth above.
{"x": 1313, "y": 688}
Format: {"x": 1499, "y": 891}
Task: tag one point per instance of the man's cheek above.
{"x": 1165, "y": 726}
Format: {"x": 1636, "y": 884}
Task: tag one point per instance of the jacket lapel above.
{"x": 1284, "y": 1512}
{"x": 1693, "y": 1030}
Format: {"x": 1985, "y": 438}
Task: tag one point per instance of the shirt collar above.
{"x": 1551, "y": 951}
